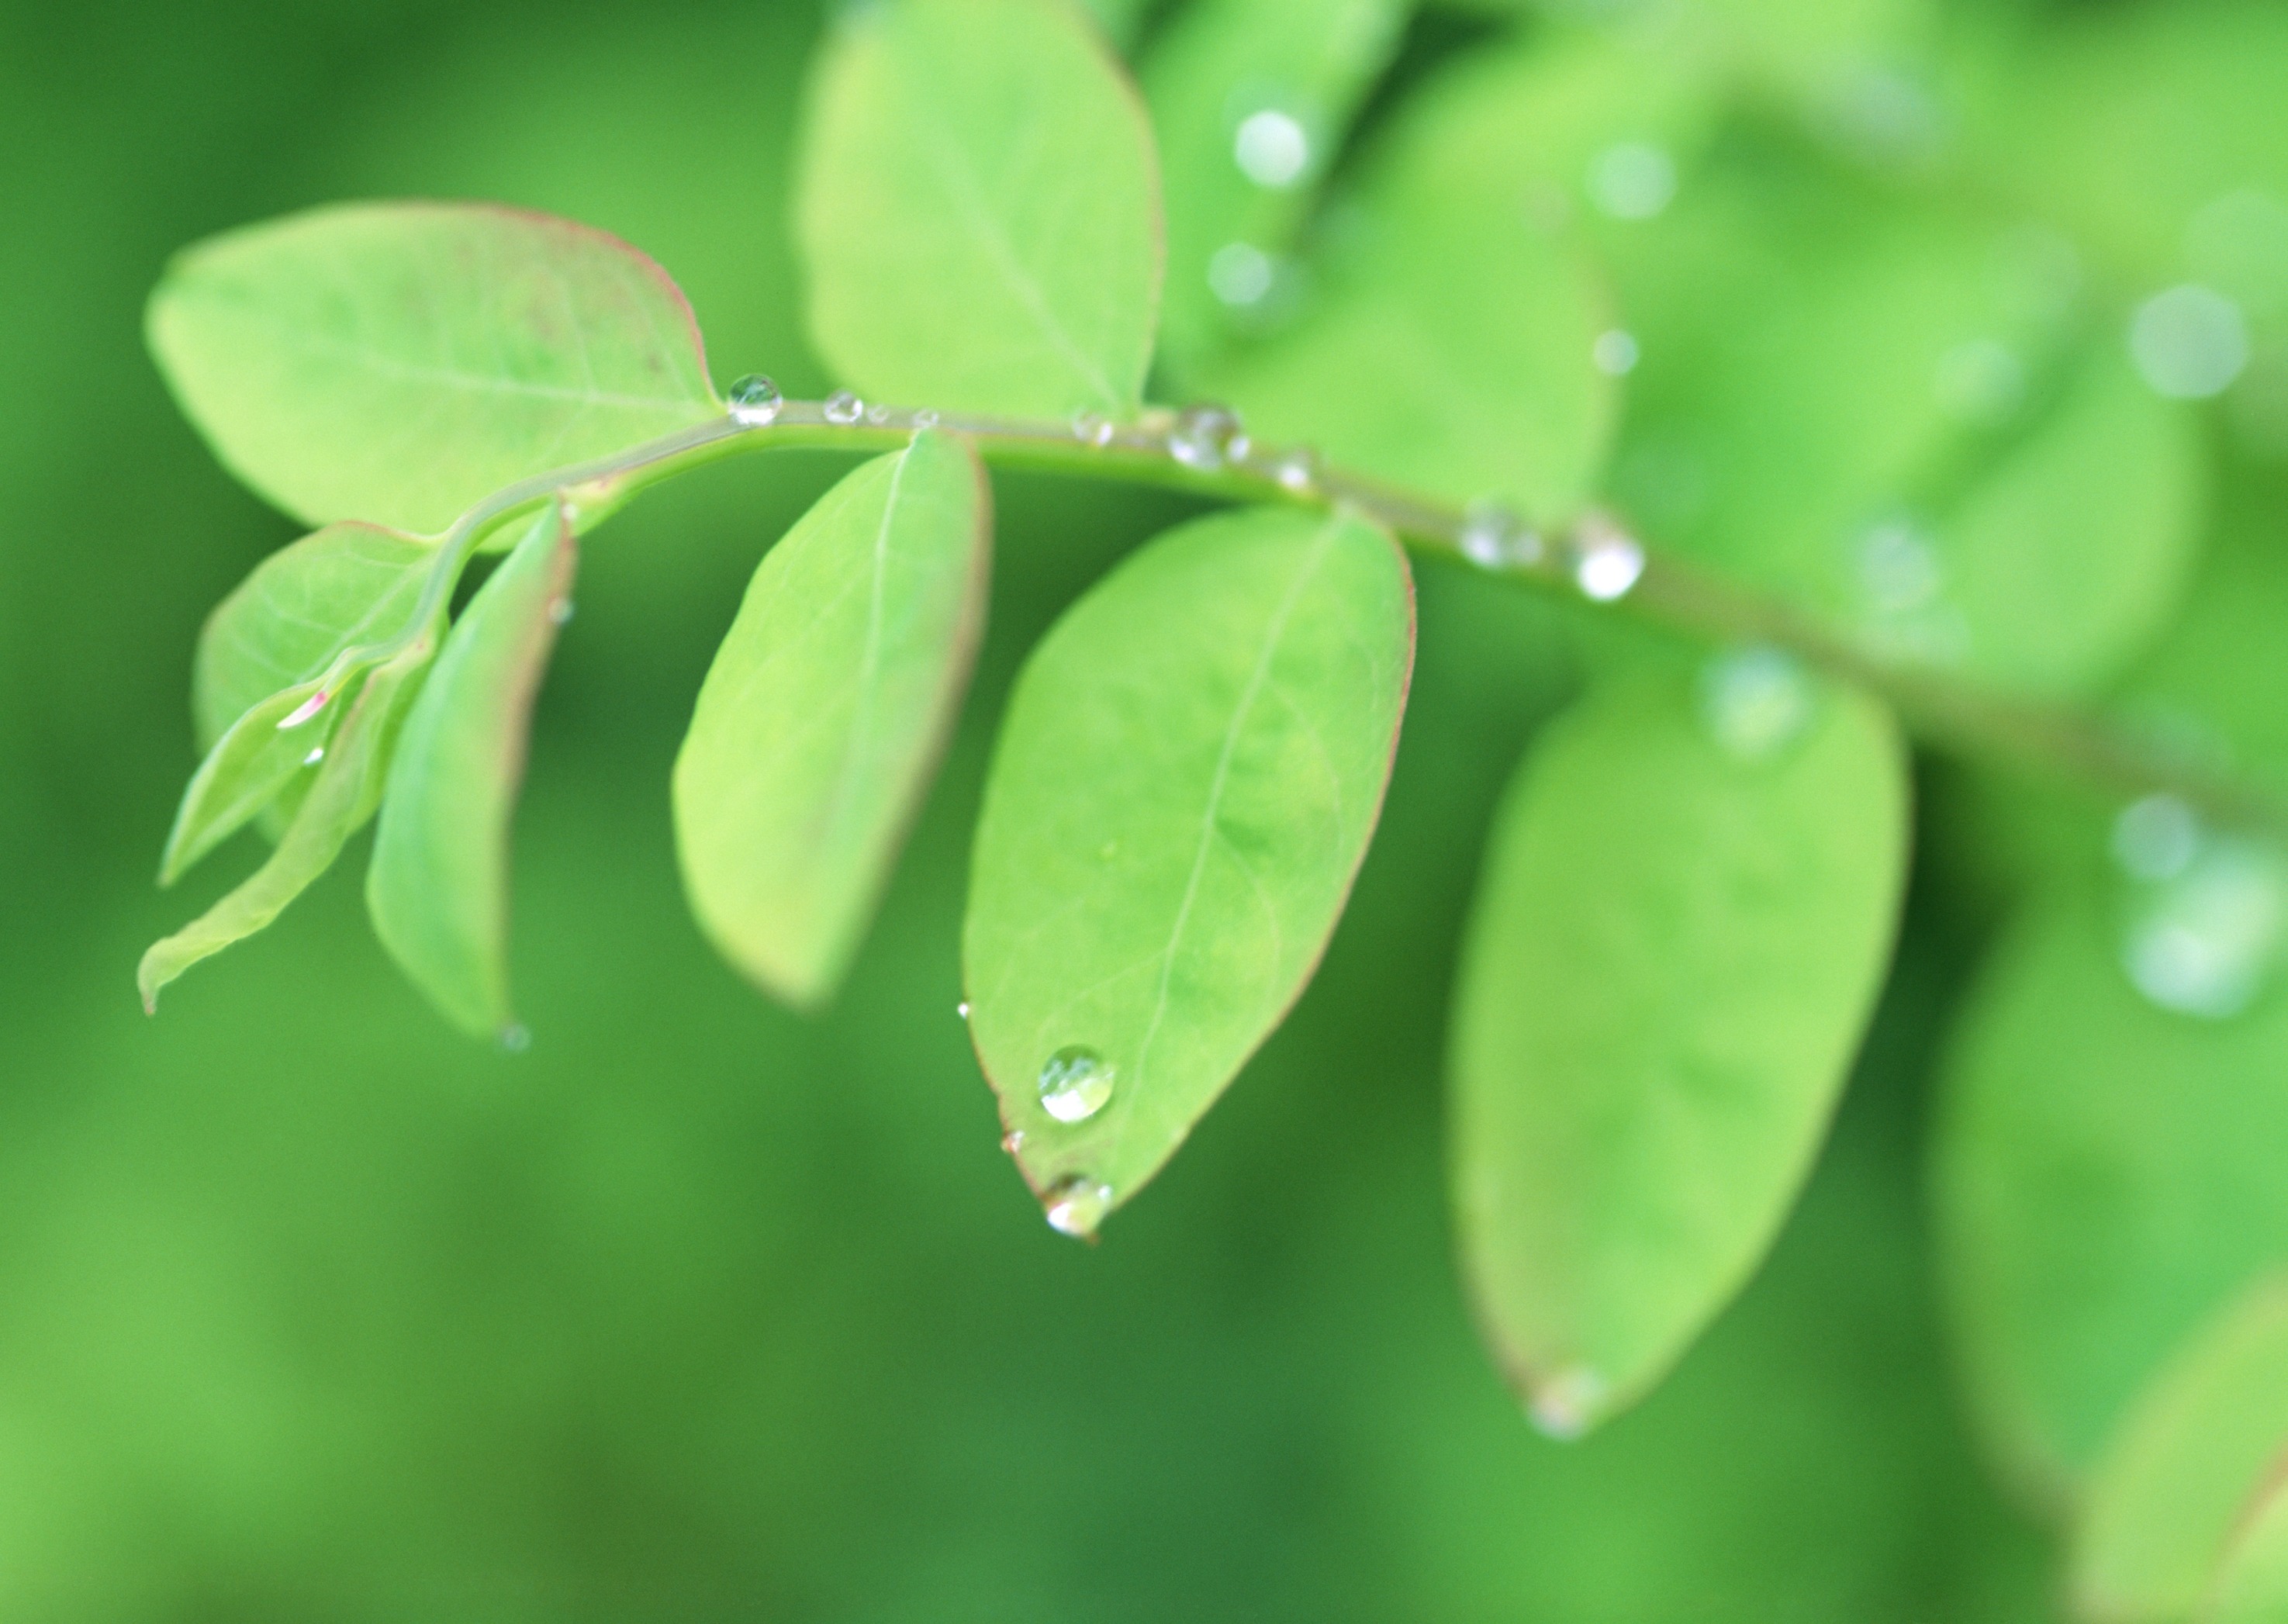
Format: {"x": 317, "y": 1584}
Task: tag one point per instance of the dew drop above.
{"x": 755, "y": 401}
{"x": 962, "y": 1009}
{"x": 1272, "y": 148}
{"x": 1075, "y": 1084}
{"x": 1494, "y": 537}
{"x": 2155, "y": 838}
{"x": 2189, "y": 342}
{"x": 560, "y": 611}
{"x": 1204, "y": 436}
{"x": 314, "y": 756}
{"x": 1296, "y": 470}
{"x": 1615, "y": 352}
{"x": 878, "y": 414}
{"x": 844, "y": 409}
{"x": 1633, "y": 180}
{"x": 927, "y": 418}
{"x": 1606, "y": 561}
{"x": 1012, "y": 1141}
{"x": 1092, "y": 429}
{"x": 1755, "y": 702}
{"x": 2203, "y": 941}
{"x": 516, "y": 1038}
{"x": 304, "y": 711}
{"x": 1240, "y": 275}
{"x": 1076, "y": 1205}
{"x": 1563, "y": 1406}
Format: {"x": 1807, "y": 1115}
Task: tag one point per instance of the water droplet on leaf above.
{"x": 1075, "y": 1084}
{"x": 754, "y": 400}
{"x": 844, "y": 409}
{"x": 1755, "y": 702}
{"x": 962, "y": 1009}
{"x": 314, "y": 756}
{"x": 1076, "y": 1205}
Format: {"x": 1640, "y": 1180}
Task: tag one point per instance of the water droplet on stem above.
{"x": 1207, "y": 436}
{"x": 1607, "y": 560}
{"x": 754, "y": 400}
{"x": 844, "y": 409}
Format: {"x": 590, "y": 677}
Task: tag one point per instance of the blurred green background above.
{"x": 311, "y": 1310}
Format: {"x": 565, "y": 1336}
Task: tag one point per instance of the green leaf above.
{"x": 2253, "y": 1586}
{"x": 2107, "y": 1176}
{"x": 1449, "y": 343}
{"x": 343, "y": 794}
{"x": 1190, "y": 768}
{"x": 398, "y": 362}
{"x": 437, "y": 889}
{"x": 1687, "y": 915}
{"x": 258, "y": 662}
{"x": 979, "y": 207}
{"x": 819, "y": 724}
{"x": 2190, "y": 1462}
{"x": 1251, "y": 99}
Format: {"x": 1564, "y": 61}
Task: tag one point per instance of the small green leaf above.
{"x": 1685, "y": 916}
{"x": 979, "y": 209}
{"x": 437, "y": 889}
{"x": 344, "y": 794}
{"x": 2107, "y": 1175}
{"x": 258, "y": 662}
{"x": 816, "y": 733}
{"x": 2253, "y": 1586}
{"x": 398, "y": 363}
{"x": 2191, "y": 1459}
{"x": 1191, "y": 766}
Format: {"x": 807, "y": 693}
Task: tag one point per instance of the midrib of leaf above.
{"x": 1249, "y": 694}
{"x": 472, "y": 383}
{"x": 951, "y": 159}
{"x": 871, "y": 660}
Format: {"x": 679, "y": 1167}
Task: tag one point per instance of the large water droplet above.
{"x": 304, "y": 711}
{"x": 1494, "y": 537}
{"x": 1204, "y": 436}
{"x": 1564, "y": 1405}
{"x": 1075, "y": 1084}
{"x": 1615, "y": 352}
{"x": 1240, "y": 275}
{"x": 1633, "y": 180}
{"x": 754, "y": 400}
{"x": 2155, "y": 838}
{"x": 1272, "y": 148}
{"x": 2189, "y": 342}
{"x": 843, "y": 408}
{"x": 1076, "y": 1205}
{"x": 1755, "y": 702}
{"x": 1606, "y": 561}
{"x": 2203, "y": 942}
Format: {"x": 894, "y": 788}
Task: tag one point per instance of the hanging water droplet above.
{"x": 2155, "y": 838}
{"x": 1607, "y": 560}
{"x": 314, "y": 756}
{"x": 1272, "y": 148}
{"x": 1754, "y": 701}
{"x": 1615, "y": 351}
{"x": 2189, "y": 342}
{"x": 1633, "y": 180}
{"x": 560, "y": 611}
{"x": 1012, "y": 1141}
{"x": 1494, "y": 537}
{"x": 1092, "y": 429}
{"x": 1296, "y": 470}
{"x": 754, "y": 400}
{"x": 1076, "y": 1205}
{"x": 962, "y": 1009}
{"x": 2203, "y": 942}
{"x": 516, "y": 1038}
{"x": 304, "y": 711}
{"x": 1563, "y": 1406}
{"x": 1205, "y": 436}
{"x": 1075, "y": 1082}
{"x": 843, "y": 408}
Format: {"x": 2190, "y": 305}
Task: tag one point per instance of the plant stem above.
{"x": 1596, "y": 559}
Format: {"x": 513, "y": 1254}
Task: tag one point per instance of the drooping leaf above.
{"x": 1250, "y": 101}
{"x": 343, "y": 794}
{"x": 259, "y": 659}
{"x": 1687, "y": 913}
{"x": 397, "y": 362}
{"x": 816, "y": 733}
{"x": 978, "y": 208}
{"x": 1190, "y": 768}
{"x": 2190, "y": 1464}
{"x": 2252, "y": 1588}
{"x": 2107, "y": 1177}
{"x": 437, "y": 889}
{"x": 1450, "y": 343}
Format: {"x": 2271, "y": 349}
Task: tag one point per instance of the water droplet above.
{"x": 1075, "y": 1084}
{"x": 1981, "y": 381}
{"x": 1296, "y": 470}
{"x": 755, "y": 401}
{"x": 2203, "y": 942}
{"x": 314, "y": 756}
{"x": 878, "y": 414}
{"x": 516, "y": 1038}
{"x": 1272, "y": 148}
{"x": 1494, "y": 537}
{"x": 1755, "y": 702}
{"x": 1240, "y": 275}
{"x": 304, "y": 711}
{"x": 927, "y": 418}
{"x": 1633, "y": 180}
{"x": 2155, "y": 838}
{"x": 1092, "y": 429}
{"x": 1205, "y": 436}
{"x": 1607, "y": 560}
{"x": 2189, "y": 342}
{"x": 560, "y": 611}
{"x": 1076, "y": 1205}
{"x": 1012, "y": 1141}
{"x": 1563, "y": 1406}
{"x": 962, "y": 1009}
{"x": 843, "y": 408}
{"x": 1615, "y": 352}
